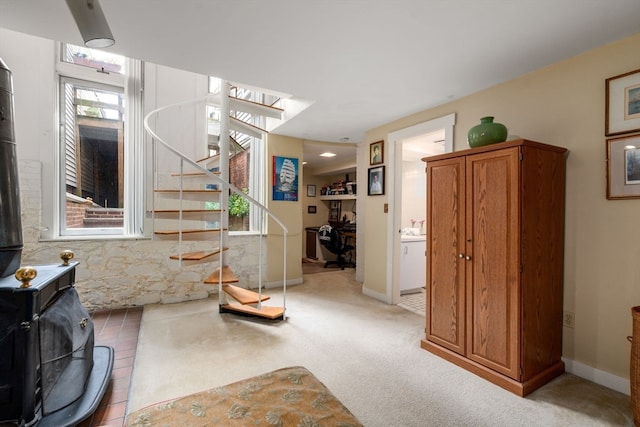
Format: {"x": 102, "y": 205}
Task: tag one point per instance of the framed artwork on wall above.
{"x": 623, "y": 167}
{"x": 285, "y": 178}
{"x": 311, "y": 190}
{"x": 376, "y": 153}
{"x": 376, "y": 181}
{"x": 622, "y": 112}
{"x": 311, "y": 209}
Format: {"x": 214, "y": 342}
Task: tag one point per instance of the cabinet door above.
{"x": 492, "y": 273}
{"x": 311, "y": 244}
{"x": 445, "y": 253}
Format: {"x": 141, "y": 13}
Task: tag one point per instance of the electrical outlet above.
{"x": 568, "y": 319}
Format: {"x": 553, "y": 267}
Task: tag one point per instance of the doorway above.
{"x": 406, "y": 149}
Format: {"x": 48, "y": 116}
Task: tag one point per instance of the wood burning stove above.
{"x": 51, "y": 374}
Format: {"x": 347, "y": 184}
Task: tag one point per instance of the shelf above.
{"x": 339, "y": 197}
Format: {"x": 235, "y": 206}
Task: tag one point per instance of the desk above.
{"x": 314, "y": 248}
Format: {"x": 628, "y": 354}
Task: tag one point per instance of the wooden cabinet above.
{"x": 495, "y": 220}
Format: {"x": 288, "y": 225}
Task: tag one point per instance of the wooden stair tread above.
{"x": 194, "y": 173}
{"x": 268, "y": 312}
{"x": 242, "y": 295}
{"x": 250, "y": 107}
{"x": 246, "y": 128}
{"x": 172, "y": 232}
{"x": 189, "y": 191}
{"x": 248, "y": 125}
{"x": 187, "y": 211}
{"x": 204, "y": 159}
{"x": 198, "y": 255}
{"x": 227, "y": 276}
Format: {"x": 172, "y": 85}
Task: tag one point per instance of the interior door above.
{"x": 492, "y": 284}
{"x": 445, "y": 257}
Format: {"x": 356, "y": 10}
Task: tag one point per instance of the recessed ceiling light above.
{"x": 328, "y": 154}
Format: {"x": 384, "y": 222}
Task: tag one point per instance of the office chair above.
{"x": 331, "y": 239}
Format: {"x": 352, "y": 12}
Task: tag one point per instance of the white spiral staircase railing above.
{"x": 223, "y": 190}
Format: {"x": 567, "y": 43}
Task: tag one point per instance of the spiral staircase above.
{"x": 191, "y": 204}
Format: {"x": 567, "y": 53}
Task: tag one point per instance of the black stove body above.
{"x": 51, "y": 374}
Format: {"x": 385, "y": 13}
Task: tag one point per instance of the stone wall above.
{"x": 119, "y": 272}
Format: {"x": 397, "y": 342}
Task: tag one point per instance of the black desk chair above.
{"x": 331, "y": 239}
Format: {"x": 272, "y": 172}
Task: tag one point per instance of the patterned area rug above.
{"x": 286, "y": 397}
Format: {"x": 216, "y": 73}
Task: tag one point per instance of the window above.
{"x": 246, "y": 158}
{"x": 100, "y": 145}
{"x": 96, "y": 59}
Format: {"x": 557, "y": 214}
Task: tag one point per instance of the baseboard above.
{"x": 377, "y": 295}
{"x": 603, "y": 378}
{"x": 278, "y": 283}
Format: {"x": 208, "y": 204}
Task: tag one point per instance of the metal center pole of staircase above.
{"x": 223, "y": 147}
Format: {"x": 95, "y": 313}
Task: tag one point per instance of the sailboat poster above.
{"x": 285, "y": 178}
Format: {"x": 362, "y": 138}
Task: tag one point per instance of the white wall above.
{"x": 414, "y": 199}
{"x": 115, "y": 272}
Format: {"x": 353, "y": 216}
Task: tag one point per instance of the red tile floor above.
{"x": 117, "y": 329}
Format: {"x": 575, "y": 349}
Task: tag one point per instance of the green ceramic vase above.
{"x": 487, "y": 132}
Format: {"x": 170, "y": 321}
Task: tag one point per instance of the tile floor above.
{"x": 117, "y": 329}
{"x": 414, "y": 302}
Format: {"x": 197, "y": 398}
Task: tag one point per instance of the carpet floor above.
{"x": 366, "y": 352}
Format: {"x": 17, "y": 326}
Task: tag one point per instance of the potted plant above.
{"x": 238, "y": 211}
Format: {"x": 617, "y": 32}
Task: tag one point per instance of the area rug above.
{"x": 290, "y": 396}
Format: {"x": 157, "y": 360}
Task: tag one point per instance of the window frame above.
{"x": 257, "y": 162}
{"x": 131, "y": 83}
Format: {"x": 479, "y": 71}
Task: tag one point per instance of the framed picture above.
{"x": 623, "y": 168}
{"x": 311, "y": 190}
{"x": 311, "y": 209}
{"x": 376, "y": 153}
{"x": 285, "y": 178}
{"x": 376, "y": 181}
{"x": 622, "y": 113}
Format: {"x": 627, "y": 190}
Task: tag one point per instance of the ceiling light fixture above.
{"x": 328, "y": 154}
{"x": 91, "y": 22}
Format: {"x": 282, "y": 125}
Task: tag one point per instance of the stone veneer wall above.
{"x": 116, "y": 273}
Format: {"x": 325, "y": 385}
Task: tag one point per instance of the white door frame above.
{"x": 394, "y": 182}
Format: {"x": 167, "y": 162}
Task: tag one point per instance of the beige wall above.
{"x": 290, "y": 213}
{"x": 322, "y": 210}
{"x": 563, "y": 104}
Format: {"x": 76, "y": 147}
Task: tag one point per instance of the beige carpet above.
{"x": 366, "y": 352}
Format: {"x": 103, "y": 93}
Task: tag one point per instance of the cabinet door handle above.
{"x": 468, "y": 257}
{"x": 460, "y": 255}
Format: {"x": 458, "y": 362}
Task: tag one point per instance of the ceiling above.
{"x": 359, "y": 63}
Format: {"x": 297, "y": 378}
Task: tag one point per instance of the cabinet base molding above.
{"x": 516, "y": 387}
